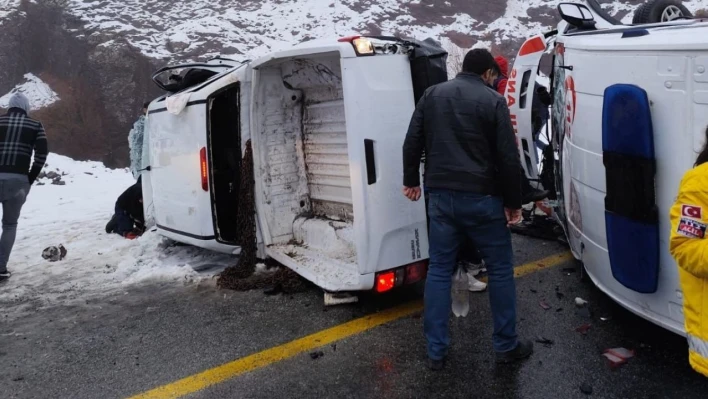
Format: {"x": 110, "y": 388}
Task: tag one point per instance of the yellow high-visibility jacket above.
{"x": 689, "y": 246}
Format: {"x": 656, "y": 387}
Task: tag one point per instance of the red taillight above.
{"x": 416, "y": 272}
{"x": 348, "y": 39}
{"x": 385, "y": 281}
{"x": 203, "y": 164}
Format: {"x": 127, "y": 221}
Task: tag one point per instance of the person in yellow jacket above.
{"x": 689, "y": 246}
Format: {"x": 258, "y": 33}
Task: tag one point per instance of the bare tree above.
{"x": 455, "y": 57}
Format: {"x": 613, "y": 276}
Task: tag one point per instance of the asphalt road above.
{"x": 123, "y": 345}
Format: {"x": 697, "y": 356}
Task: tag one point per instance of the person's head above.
{"x": 703, "y": 156}
{"x": 503, "y": 65}
{"x": 19, "y": 100}
{"x": 480, "y": 62}
{"x": 145, "y": 107}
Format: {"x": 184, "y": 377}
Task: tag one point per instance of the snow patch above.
{"x": 97, "y": 263}
{"x": 39, "y": 93}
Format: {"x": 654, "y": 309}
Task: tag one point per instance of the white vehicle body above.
{"x": 326, "y": 129}
{"x": 670, "y": 63}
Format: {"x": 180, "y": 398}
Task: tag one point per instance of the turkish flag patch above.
{"x": 691, "y": 211}
{"x": 691, "y": 228}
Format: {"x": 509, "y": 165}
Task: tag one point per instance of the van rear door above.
{"x": 195, "y": 155}
{"x": 519, "y": 96}
{"x": 390, "y": 230}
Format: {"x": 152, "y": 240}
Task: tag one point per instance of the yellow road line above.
{"x": 213, "y": 376}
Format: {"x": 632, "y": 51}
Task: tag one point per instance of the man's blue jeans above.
{"x": 454, "y": 216}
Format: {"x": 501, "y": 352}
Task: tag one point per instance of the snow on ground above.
{"x": 255, "y": 27}
{"x": 38, "y": 92}
{"x": 7, "y": 7}
{"x": 97, "y": 263}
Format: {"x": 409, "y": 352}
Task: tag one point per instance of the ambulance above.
{"x": 629, "y": 115}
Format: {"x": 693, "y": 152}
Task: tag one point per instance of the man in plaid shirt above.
{"x": 20, "y": 136}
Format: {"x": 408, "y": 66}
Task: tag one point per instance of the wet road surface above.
{"x": 153, "y": 335}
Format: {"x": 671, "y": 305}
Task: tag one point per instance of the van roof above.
{"x": 659, "y": 37}
{"x": 319, "y": 46}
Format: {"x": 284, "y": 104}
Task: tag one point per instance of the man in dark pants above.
{"x": 473, "y": 179}
{"x": 128, "y": 220}
{"x": 23, "y": 152}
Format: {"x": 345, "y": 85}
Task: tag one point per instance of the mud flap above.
{"x": 631, "y": 215}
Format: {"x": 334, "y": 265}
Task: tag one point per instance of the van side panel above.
{"x": 181, "y": 205}
{"x": 390, "y": 230}
{"x": 679, "y": 114}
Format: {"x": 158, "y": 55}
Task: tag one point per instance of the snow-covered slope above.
{"x": 191, "y": 29}
{"x": 97, "y": 263}
{"x": 38, "y": 92}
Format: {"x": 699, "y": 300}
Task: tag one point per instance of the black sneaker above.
{"x": 522, "y": 351}
{"x": 4, "y": 276}
{"x": 436, "y": 365}
{"x": 535, "y": 195}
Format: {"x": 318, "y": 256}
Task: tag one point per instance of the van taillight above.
{"x": 409, "y": 274}
{"x": 385, "y": 281}
{"x": 416, "y": 272}
{"x": 362, "y": 45}
{"x": 203, "y": 164}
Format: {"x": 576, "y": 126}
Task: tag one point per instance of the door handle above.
{"x": 370, "y": 161}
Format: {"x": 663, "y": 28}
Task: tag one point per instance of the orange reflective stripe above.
{"x": 532, "y": 46}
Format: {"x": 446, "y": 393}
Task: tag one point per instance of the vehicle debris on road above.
{"x": 618, "y": 356}
{"x": 580, "y": 302}
{"x": 584, "y": 329}
{"x": 54, "y": 253}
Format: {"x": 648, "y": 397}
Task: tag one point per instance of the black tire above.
{"x": 655, "y": 11}
{"x": 638, "y": 14}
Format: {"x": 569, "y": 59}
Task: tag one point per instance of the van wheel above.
{"x": 655, "y": 11}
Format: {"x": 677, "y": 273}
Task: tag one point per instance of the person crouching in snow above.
{"x": 689, "y": 247}
{"x": 129, "y": 220}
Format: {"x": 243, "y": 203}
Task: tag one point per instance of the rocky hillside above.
{"x": 97, "y": 56}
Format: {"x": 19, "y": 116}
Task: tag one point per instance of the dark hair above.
{"x": 478, "y": 61}
{"x": 703, "y": 156}
{"x": 146, "y": 104}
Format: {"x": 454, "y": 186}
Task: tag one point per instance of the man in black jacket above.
{"x": 20, "y": 137}
{"x": 473, "y": 180}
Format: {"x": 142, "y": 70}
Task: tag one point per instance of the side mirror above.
{"x": 577, "y": 15}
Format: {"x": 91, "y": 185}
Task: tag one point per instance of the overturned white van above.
{"x": 326, "y": 120}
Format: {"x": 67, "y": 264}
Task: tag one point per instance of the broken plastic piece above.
{"x": 618, "y": 356}
{"x": 605, "y": 318}
{"x": 580, "y": 302}
{"x": 544, "y": 305}
{"x": 583, "y": 329}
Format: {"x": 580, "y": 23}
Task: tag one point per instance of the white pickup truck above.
{"x": 326, "y": 121}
